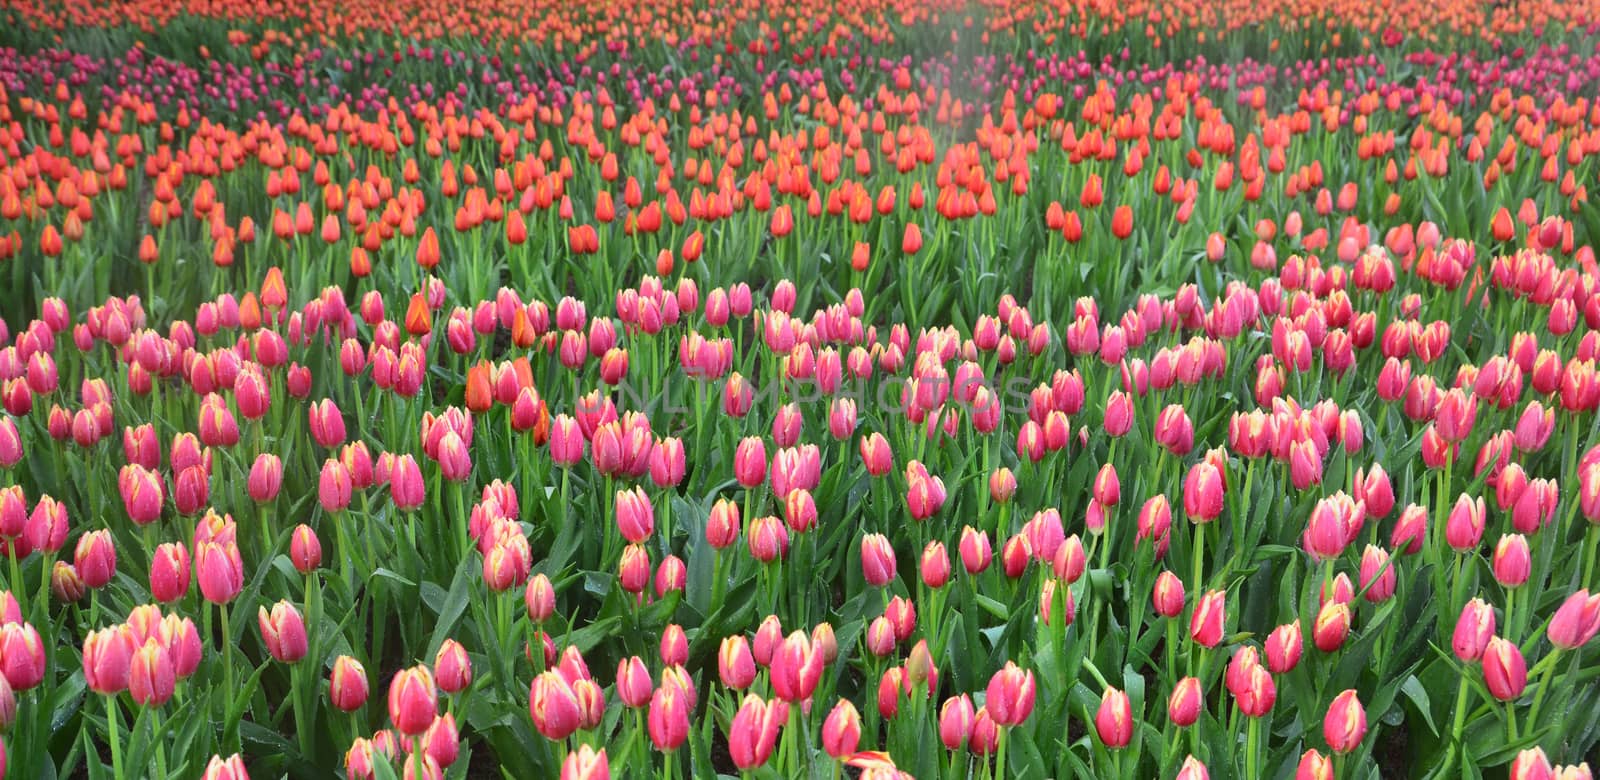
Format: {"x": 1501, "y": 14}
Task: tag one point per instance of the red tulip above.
{"x": 754, "y": 730}
{"x": 152, "y": 677}
{"x": 1168, "y": 597}
{"x": 347, "y": 684}
{"x": 768, "y": 539}
{"x": 1332, "y": 626}
{"x": 911, "y": 241}
{"x": 1314, "y": 766}
{"x": 22, "y": 659}
{"x": 169, "y": 572}
{"x": 636, "y": 519}
{"x": 142, "y": 493}
{"x": 107, "y": 658}
{"x": 554, "y": 706}
{"x": 96, "y": 558}
{"x": 1463, "y": 529}
{"x": 984, "y": 738}
{"x": 841, "y": 731}
{"x": 586, "y": 763}
{"x": 975, "y": 550}
{"x": 283, "y": 631}
{"x": 334, "y": 486}
{"x": 231, "y": 768}
{"x": 442, "y": 742}
{"x": 406, "y": 486}
{"x": 736, "y": 667}
{"x": 1576, "y": 621}
{"x": 668, "y": 718}
{"x": 796, "y": 668}
{"x": 925, "y": 494}
{"x": 875, "y": 454}
{"x": 1532, "y": 764}
{"x": 327, "y": 423}
{"x": 1284, "y": 646}
{"x": 1512, "y": 560}
{"x": 1256, "y": 692}
{"x": 1378, "y": 576}
{"x": 1186, "y": 702}
{"x": 877, "y": 560}
{"x": 452, "y": 668}
{"x": 1192, "y": 769}
{"x": 1206, "y": 622}
{"x": 1504, "y": 671}
{"x": 1010, "y": 695}
{"x": 955, "y": 721}
{"x": 1113, "y": 723}
{"x": 413, "y": 702}
{"x": 1203, "y": 491}
{"x": 1345, "y": 724}
{"x": 305, "y": 549}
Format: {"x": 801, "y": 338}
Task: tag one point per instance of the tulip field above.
{"x": 403, "y": 389}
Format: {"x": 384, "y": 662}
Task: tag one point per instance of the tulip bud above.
{"x": 877, "y": 560}
{"x": 1463, "y": 529}
{"x": 768, "y": 636}
{"x": 975, "y": 550}
{"x": 1504, "y": 671}
{"x": 1576, "y": 621}
{"x": 1345, "y": 724}
{"x": 554, "y": 706}
{"x": 305, "y": 549}
{"x": 96, "y": 558}
{"x": 1010, "y": 695}
{"x": 1314, "y": 766}
{"x": 413, "y": 702}
{"x": 169, "y": 572}
{"x": 1532, "y": 764}
{"x": 1186, "y": 702}
{"x": 1113, "y": 722}
{"x": 1284, "y": 646}
{"x": 1512, "y": 560}
{"x": 668, "y": 719}
{"x": 1169, "y": 596}
{"x": 347, "y": 684}
{"x": 1378, "y": 576}
{"x": 841, "y": 731}
{"x": 452, "y": 668}
{"x": 283, "y": 631}
{"x": 1410, "y": 530}
{"x": 1473, "y": 630}
{"x": 231, "y": 768}
{"x": 586, "y": 763}
{"x": 753, "y": 733}
{"x": 152, "y": 677}
{"x": 1206, "y": 622}
{"x": 107, "y": 658}
{"x": 1332, "y": 626}
{"x": 736, "y": 666}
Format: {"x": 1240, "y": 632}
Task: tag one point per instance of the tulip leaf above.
{"x": 389, "y": 574}
{"x": 454, "y": 606}
{"x": 1418, "y": 694}
{"x": 65, "y": 701}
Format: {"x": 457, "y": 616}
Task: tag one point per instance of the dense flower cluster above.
{"x": 913, "y": 412}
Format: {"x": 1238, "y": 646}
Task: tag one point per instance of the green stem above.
{"x": 1591, "y": 553}
{"x": 1252, "y": 769}
{"x": 227, "y": 666}
{"x": 111, "y": 730}
{"x": 1000, "y": 752}
{"x": 1544, "y": 684}
{"x": 1458, "y": 724}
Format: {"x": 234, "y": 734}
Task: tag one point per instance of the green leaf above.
{"x": 455, "y": 604}
{"x": 1414, "y": 690}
